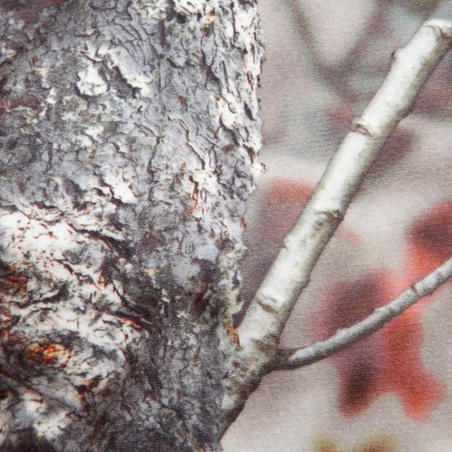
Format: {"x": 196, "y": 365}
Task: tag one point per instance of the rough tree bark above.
{"x": 128, "y": 138}
{"x": 129, "y": 134}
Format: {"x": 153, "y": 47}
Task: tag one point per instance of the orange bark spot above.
{"x": 232, "y": 334}
{"x": 192, "y": 208}
{"x": 49, "y": 354}
{"x": 12, "y": 282}
{"x": 210, "y": 16}
{"x": 194, "y": 196}
{"x": 129, "y": 320}
{"x": 6, "y": 320}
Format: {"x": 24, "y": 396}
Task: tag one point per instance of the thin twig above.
{"x": 343, "y": 338}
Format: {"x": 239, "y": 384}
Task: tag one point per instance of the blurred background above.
{"x": 393, "y": 392}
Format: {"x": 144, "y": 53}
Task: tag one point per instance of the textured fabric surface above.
{"x": 390, "y": 392}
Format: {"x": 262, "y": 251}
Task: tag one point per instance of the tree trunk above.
{"x": 128, "y": 137}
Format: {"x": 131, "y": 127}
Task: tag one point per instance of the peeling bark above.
{"x": 128, "y": 134}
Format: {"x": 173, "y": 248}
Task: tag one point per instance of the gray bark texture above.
{"x": 128, "y": 136}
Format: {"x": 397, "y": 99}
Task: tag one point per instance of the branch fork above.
{"x": 268, "y": 312}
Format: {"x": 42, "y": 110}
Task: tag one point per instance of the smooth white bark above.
{"x": 260, "y": 330}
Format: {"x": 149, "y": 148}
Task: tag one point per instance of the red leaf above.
{"x": 429, "y": 240}
{"x": 360, "y": 367}
{"x": 389, "y": 361}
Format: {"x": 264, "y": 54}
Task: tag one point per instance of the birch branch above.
{"x": 411, "y": 66}
{"x": 343, "y": 338}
